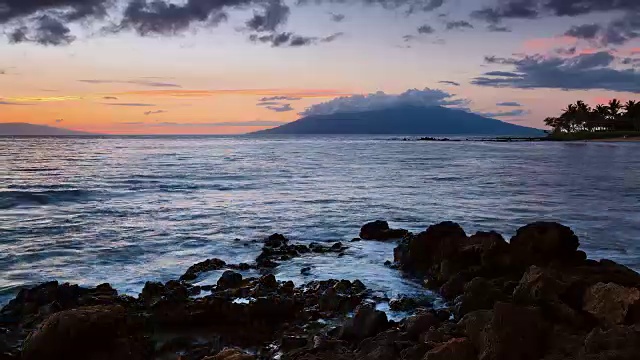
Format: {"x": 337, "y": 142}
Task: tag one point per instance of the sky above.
{"x": 234, "y": 66}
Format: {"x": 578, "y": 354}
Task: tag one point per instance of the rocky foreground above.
{"x": 535, "y": 297}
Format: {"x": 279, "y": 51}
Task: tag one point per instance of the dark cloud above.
{"x": 581, "y": 72}
{"x": 147, "y": 113}
{"x": 447, "y": 82}
{"x": 2, "y": 72}
{"x": 131, "y": 82}
{"x": 280, "y": 108}
{"x": 461, "y": 24}
{"x": 408, "y": 38}
{"x": 509, "y": 103}
{"x": 67, "y": 10}
{"x": 45, "y": 30}
{"x": 131, "y": 104}
{"x": 277, "y": 98}
{"x": 531, "y": 9}
{"x": 512, "y": 113}
{"x": 292, "y": 40}
{"x": 58, "y": 120}
{"x": 337, "y": 17}
{"x": 426, "y": 29}
{"x": 2, "y": 102}
{"x": 267, "y": 103}
{"x": 110, "y": 98}
{"x": 570, "y": 51}
{"x": 274, "y": 14}
{"x": 502, "y": 73}
{"x": 498, "y": 28}
{"x": 587, "y": 31}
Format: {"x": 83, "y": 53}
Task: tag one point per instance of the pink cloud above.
{"x": 538, "y": 45}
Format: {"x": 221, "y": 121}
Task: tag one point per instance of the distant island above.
{"x": 613, "y": 121}
{"x": 26, "y": 129}
{"x": 404, "y": 120}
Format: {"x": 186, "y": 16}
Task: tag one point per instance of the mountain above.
{"x": 405, "y": 120}
{"x": 26, "y": 129}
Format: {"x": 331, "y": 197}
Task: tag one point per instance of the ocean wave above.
{"x": 12, "y": 199}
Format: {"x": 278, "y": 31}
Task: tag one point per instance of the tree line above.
{"x": 580, "y": 117}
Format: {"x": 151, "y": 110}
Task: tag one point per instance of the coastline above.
{"x": 618, "y": 139}
{"x": 534, "y": 296}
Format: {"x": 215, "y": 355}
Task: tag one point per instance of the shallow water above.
{"x": 127, "y": 210}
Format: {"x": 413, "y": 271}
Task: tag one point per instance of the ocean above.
{"x": 127, "y": 210}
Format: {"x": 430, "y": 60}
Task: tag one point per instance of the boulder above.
{"x": 276, "y": 240}
{"x": 366, "y": 322}
{"x": 616, "y": 343}
{"x": 514, "y": 333}
{"x": 541, "y": 243}
{"x": 97, "y": 332}
{"x": 229, "y": 280}
{"x": 379, "y": 230}
{"x": 405, "y": 303}
{"x": 381, "y": 347}
{"x": 208, "y": 265}
{"x": 417, "y": 324}
{"x": 475, "y": 326}
{"x": 454, "y": 349}
{"x": 610, "y": 302}
{"x": 426, "y": 251}
{"x": 479, "y": 294}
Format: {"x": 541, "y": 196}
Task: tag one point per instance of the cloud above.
{"x": 58, "y": 120}
{"x": 447, "y": 82}
{"x": 509, "y": 103}
{"x": 256, "y": 123}
{"x": 280, "y": 108}
{"x": 275, "y": 13}
{"x": 332, "y": 37}
{"x": 618, "y": 32}
{"x": 580, "y": 72}
{"x": 131, "y": 104}
{"x": 380, "y": 100}
{"x": 497, "y": 28}
{"x": 426, "y": 29}
{"x": 588, "y": 31}
{"x": 2, "y": 102}
{"x": 502, "y": 73}
{"x": 109, "y": 98}
{"x": 292, "y": 40}
{"x": 132, "y": 82}
{"x": 277, "y": 98}
{"x": 45, "y": 30}
{"x": 532, "y": 9}
{"x": 459, "y": 25}
{"x": 147, "y": 113}
{"x": 337, "y": 17}
{"x": 513, "y": 113}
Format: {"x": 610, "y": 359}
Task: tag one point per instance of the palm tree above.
{"x": 601, "y": 113}
{"x": 632, "y": 115}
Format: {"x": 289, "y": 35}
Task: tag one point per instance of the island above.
{"x": 27, "y": 129}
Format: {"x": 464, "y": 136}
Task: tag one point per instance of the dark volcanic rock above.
{"x": 208, "y": 265}
{"x": 366, "y": 322}
{"x": 379, "y": 230}
{"x": 454, "y": 349}
{"x": 99, "y": 332}
{"x": 479, "y": 294}
{"x": 276, "y": 240}
{"x": 610, "y": 302}
{"x": 229, "y": 280}
{"x": 617, "y": 343}
{"x": 543, "y": 242}
{"x": 418, "y": 324}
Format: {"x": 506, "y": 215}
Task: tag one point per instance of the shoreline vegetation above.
{"x": 534, "y": 297}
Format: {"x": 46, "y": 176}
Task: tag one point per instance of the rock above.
{"x": 404, "y": 303}
{"x": 366, "y": 322}
{"x": 616, "y": 343}
{"x": 514, "y": 333}
{"x": 276, "y": 240}
{"x": 453, "y": 288}
{"x": 229, "y": 280}
{"x": 208, "y": 265}
{"x": 427, "y": 250}
{"x": 415, "y": 352}
{"x": 383, "y": 346}
{"x": 268, "y": 281}
{"x": 379, "y": 230}
{"x": 610, "y": 302}
{"x": 541, "y": 243}
{"x": 231, "y": 354}
{"x": 417, "y": 324}
{"x": 290, "y": 342}
{"x": 539, "y": 285}
{"x": 305, "y": 270}
{"x": 479, "y": 294}
{"x": 474, "y": 326}
{"x": 98, "y": 332}
{"x": 454, "y": 349}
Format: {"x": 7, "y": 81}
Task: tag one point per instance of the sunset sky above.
{"x": 233, "y": 66}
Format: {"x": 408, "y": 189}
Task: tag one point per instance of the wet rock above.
{"x": 541, "y": 243}
{"x": 610, "y": 302}
{"x": 384, "y": 346}
{"x": 276, "y": 240}
{"x": 454, "y": 287}
{"x": 475, "y": 326}
{"x": 290, "y": 342}
{"x": 426, "y": 251}
{"x": 405, "y": 303}
{"x": 231, "y": 354}
{"x": 417, "y": 324}
{"x": 99, "y": 332}
{"x": 366, "y": 322}
{"x": 305, "y": 270}
{"x": 379, "y": 230}
{"x": 208, "y": 265}
{"x": 515, "y": 333}
{"x": 268, "y": 281}
{"x": 454, "y": 349}
{"x": 229, "y": 280}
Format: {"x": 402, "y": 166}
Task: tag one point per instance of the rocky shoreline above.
{"x": 534, "y": 297}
